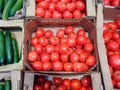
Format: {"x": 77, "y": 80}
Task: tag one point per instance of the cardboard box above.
{"x": 103, "y": 15}
{"x": 15, "y": 77}
{"x": 90, "y": 7}
{"x": 29, "y": 79}
{"x": 54, "y": 25}
{"x": 17, "y": 29}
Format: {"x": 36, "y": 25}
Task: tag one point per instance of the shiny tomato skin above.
{"x": 37, "y": 1}
{"x": 83, "y": 88}
{"x": 80, "y": 5}
{"x": 78, "y": 51}
{"x": 63, "y": 48}
{"x": 40, "y": 79}
{"x": 83, "y": 56}
{"x": 77, "y": 14}
{"x": 115, "y": 35}
{"x": 43, "y": 4}
{"x": 47, "y": 85}
{"x": 116, "y": 75}
{"x": 88, "y": 47}
{"x": 115, "y": 3}
{"x": 90, "y": 60}
{"x": 47, "y": 66}
{"x": 37, "y": 87}
{"x": 48, "y": 14}
{"x": 72, "y": 35}
{"x": 51, "y": 7}
{"x": 89, "y": 88}
{"x": 67, "y": 15}
{"x": 105, "y": 28}
{"x": 39, "y": 12}
{"x": 61, "y": 87}
{"x": 60, "y": 6}
{"x": 68, "y": 66}
{"x": 54, "y": 40}
{"x": 57, "y": 66}
{"x": 43, "y": 41}
{"x": 71, "y": 42}
{"x": 69, "y": 29}
{"x": 49, "y": 49}
{"x": 64, "y": 40}
{"x": 107, "y": 2}
{"x": 38, "y": 48}
{"x": 32, "y": 56}
{"x": 37, "y": 65}
{"x": 57, "y": 80}
{"x": 75, "y": 84}
{"x": 71, "y": 6}
{"x": 39, "y": 32}
{"x": 118, "y": 85}
{"x": 34, "y": 41}
{"x": 45, "y": 57}
{"x": 54, "y": 56}
{"x": 66, "y": 1}
{"x": 64, "y": 58}
{"x": 67, "y": 82}
{"x": 57, "y": 15}
{"x": 60, "y": 33}
{"x": 48, "y": 33}
{"x": 81, "y": 40}
{"x": 113, "y": 83}
{"x": 81, "y": 32}
{"x": 74, "y": 57}
{"x": 107, "y": 37}
{"x": 86, "y": 81}
{"x": 112, "y": 26}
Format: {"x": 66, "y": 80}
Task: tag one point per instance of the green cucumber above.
{"x": 8, "y": 46}
{"x": 7, "y": 8}
{"x": 2, "y": 48}
{"x": 7, "y": 85}
{"x": 15, "y": 51}
{"x": 1, "y": 5}
{"x": 2, "y": 86}
{"x": 5, "y": 2}
{"x": 17, "y": 6}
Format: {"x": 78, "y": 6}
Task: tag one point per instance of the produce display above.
{"x": 111, "y": 37}
{"x": 57, "y": 9}
{"x": 8, "y": 49}
{"x": 58, "y": 83}
{"x": 65, "y": 50}
{"x": 8, "y": 8}
{"x": 5, "y": 84}
{"x": 112, "y": 2}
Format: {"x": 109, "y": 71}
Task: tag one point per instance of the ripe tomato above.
{"x": 107, "y": 2}
{"x": 88, "y": 47}
{"x": 67, "y": 15}
{"x": 57, "y": 15}
{"x": 34, "y": 41}
{"x": 60, "y": 6}
{"x": 44, "y": 57}
{"x": 37, "y": 65}
{"x": 43, "y": 41}
{"x": 40, "y": 79}
{"x": 80, "y": 5}
{"x": 83, "y": 88}
{"x": 71, "y": 6}
{"x": 52, "y": 7}
{"x": 71, "y": 42}
{"x": 75, "y": 84}
{"x": 86, "y": 81}
{"x": 57, "y": 66}
{"x": 115, "y": 36}
{"x": 107, "y": 37}
{"x": 37, "y": 1}
{"x": 72, "y": 35}
{"x": 61, "y": 87}
{"x": 113, "y": 83}
{"x": 64, "y": 40}
{"x": 89, "y": 88}
{"x": 83, "y": 56}
{"x": 74, "y": 57}
{"x": 81, "y": 40}
{"x": 32, "y": 56}
{"x": 63, "y": 48}
{"x": 48, "y": 33}
{"x": 117, "y": 21}
{"x": 54, "y": 56}
{"x": 77, "y": 14}
{"x": 64, "y": 58}
{"x": 48, "y": 14}
{"x": 90, "y": 60}
{"x": 67, "y": 66}
{"x": 57, "y": 80}
{"x": 115, "y": 2}
{"x": 43, "y": 4}
{"x": 39, "y": 32}
{"x": 114, "y": 61}
{"x": 116, "y": 75}
{"x": 78, "y": 51}
{"x": 111, "y": 70}
{"x": 79, "y": 67}
{"x": 39, "y": 12}
{"x": 54, "y": 40}
{"x": 66, "y": 82}
{"x": 69, "y": 29}
{"x": 49, "y": 49}
{"x": 37, "y": 87}
{"x": 81, "y": 32}
{"x": 47, "y": 66}
{"x": 118, "y": 85}
{"x": 60, "y": 33}
{"x": 38, "y": 48}
{"x": 105, "y": 28}
{"x": 47, "y": 85}
{"x": 66, "y": 1}
{"x": 112, "y": 26}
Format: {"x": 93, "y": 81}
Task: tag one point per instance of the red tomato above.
{"x": 88, "y": 40}
{"x": 107, "y": 2}
{"x": 115, "y": 2}
{"x": 64, "y": 58}
{"x": 40, "y": 79}
{"x": 60, "y": 33}
{"x": 83, "y": 88}
{"x": 67, "y": 15}
{"x": 114, "y": 61}
{"x": 113, "y": 83}
{"x": 71, "y": 42}
{"x": 81, "y": 40}
{"x": 112, "y": 26}
{"x": 43, "y": 4}
{"x": 67, "y": 66}
{"x": 47, "y": 66}
{"x": 111, "y": 70}
{"x": 81, "y": 32}
{"x": 39, "y": 32}
{"x": 116, "y": 75}
{"x": 55, "y": 1}
{"x": 64, "y": 40}
{"x": 71, "y": 6}
{"x": 43, "y": 41}
{"x": 70, "y": 51}
{"x": 89, "y": 88}
{"x": 74, "y": 57}
{"x": 75, "y": 84}
{"x": 56, "y": 48}
{"x": 34, "y": 41}
{"x": 118, "y": 85}
{"x": 83, "y": 56}
{"x": 90, "y": 60}
{"x": 61, "y": 87}
{"x": 113, "y": 45}
{"x": 54, "y": 40}
{"x": 79, "y": 67}
{"x": 63, "y": 48}
{"x": 37, "y": 65}
{"x": 32, "y": 56}
{"x": 39, "y": 12}
{"x": 66, "y": 1}
{"x": 37, "y": 1}
{"x": 60, "y": 6}
{"x": 49, "y": 49}
{"x": 57, "y": 66}
{"x": 115, "y": 35}
{"x": 54, "y": 56}
{"x": 88, "y": 47}
{"x": 52, "y": 7}
{"x": 80, "y": 5}
{"x": 37, "y": 87}
{"x": 48, "y": 14}
{"x": 57, "y": 80}
{"x": 47, "y": 85}
{"x": 57, "y": 15}
{"x": 78, "y": 51}
{"x": 78, "y": 46}
{"x": 77, "y": 14}
{"x": 86, "y": 81}
{"x": 105, "y": 28}
{"x": 72, "y": 35}
{"x": 48, "y": 33}
{"x": 69, "y": 29}
{"x": 67, "y": 82}
{"x": 38, "y": 48}
{"x": 44, "y": 57}
{"x": 107, "y": 37}
{"x": 117, "y": 21}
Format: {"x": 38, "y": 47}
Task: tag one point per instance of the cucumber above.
{"x": 15, "y": 51}
{"x": 7, "y": 8}
{"x": 2, "y": 86}
{"x": 5, "y": 2}
{"x": 8, "y": 46}
{"x": 1, "y": 5}
{"x": 2, "y": 48}
{"x": 17, "y": 6}
{"x": 7, "y": 85}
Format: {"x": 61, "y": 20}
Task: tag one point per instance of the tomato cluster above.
{"x": 112, "y": 2}
{"x": 58, "y": 83}
{"x": 60, "y": 9}
{"x": 66, "y": 51}
{"x": 111, "y": 37}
